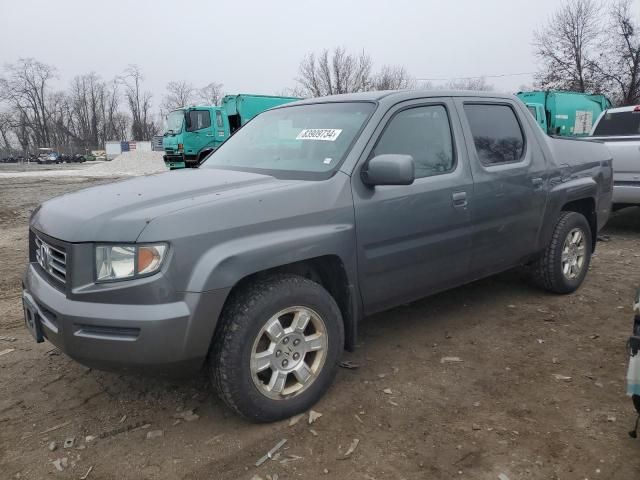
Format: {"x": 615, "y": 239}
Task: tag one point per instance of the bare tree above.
{"x": 472, "y": 83}
{"x": 87, "y": 103}
{"x": 139, "y": 102}
{"x": 112, "y": 123}
{"x": 619, "y": 64}
{"x": 6, "y": 129}
{"x": 179, "y": 94}
{"x": 210, "y": 94}
{"x": 393, "y": 78}
{"x": 334, "y": 73}
{"x": 565, "y": 47}
{"x": 26, "y": 89}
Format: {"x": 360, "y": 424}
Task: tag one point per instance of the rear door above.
{"x": 509, "y": 174}
{"x": 414, "y": 239}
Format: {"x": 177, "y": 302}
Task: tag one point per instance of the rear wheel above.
{"x": 562, "y": 267}
{"x": 278, "y": 347}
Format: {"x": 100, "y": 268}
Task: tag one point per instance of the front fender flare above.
{"x": 225, "y": 264}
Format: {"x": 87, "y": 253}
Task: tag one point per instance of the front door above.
{"x": 413, "y": 240}
{"x": 199, "y": 132}
{"x": 509, "y": 174}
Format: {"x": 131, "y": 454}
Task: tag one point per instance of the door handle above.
{"x": 537, "y": 181}
{"x": 459, "y": 199}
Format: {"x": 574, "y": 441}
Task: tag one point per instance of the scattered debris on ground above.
{"x": 349, "y": 365}
{"x": 352, "y": 448}
{"x": 450, "y": 360}
{"x": 186, "y": 415}
{"x": 295, "y": 419}
{"x": 86, "y": 475}
{"x": 61, "y": 463}
{"x": 313, "y": 416}
{"x": 154, "y": 434}
{"x": 271, "y": 452}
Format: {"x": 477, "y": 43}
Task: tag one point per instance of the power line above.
{"x": 499, "y": 75}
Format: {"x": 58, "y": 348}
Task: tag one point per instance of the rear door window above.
{"x": 496, "y": 132}
{"x": 618, "y": 124}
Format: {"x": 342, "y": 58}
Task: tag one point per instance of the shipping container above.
{"x": 112, "y": 149}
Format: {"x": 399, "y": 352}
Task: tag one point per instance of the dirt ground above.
{"x": 499, "y": 411}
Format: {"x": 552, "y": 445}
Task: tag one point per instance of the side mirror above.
{"x": 389, "y": 169}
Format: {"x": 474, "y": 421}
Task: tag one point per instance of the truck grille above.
{"x": 53, "y": 260}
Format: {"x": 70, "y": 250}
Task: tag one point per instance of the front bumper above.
{"x": 164, "y": 337}
{"x": 174, "y": 161}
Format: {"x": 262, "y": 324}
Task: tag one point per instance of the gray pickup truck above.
{"x": 619, "y": 129}
{"x": 261, "y": 263}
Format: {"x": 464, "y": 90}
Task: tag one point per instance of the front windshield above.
{"x": 303, "y": 138}
{"x": 174, "y": 121}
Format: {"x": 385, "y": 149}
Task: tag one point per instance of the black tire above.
{"x": 244, "y": 315}
{"x": 547, "y": 269}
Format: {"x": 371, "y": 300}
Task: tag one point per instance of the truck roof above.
{"x": 399, "y": 95}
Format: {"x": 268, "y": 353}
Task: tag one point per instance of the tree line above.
{"x": 588, "y": 46}
{"x": 585, "y": 46}
{"x": 82, "y": 117}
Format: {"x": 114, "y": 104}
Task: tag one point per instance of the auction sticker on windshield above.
{"x": 327, "y": 134}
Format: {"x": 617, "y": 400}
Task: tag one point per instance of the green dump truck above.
{"x": 194, "y": 132}
{"x": 566, "y": 114}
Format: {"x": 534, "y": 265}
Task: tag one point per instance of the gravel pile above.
{"x": 124, "y": 165}
{"x": 130, "y": 163}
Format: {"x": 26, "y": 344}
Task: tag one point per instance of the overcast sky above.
{"x": 256, "y": 46}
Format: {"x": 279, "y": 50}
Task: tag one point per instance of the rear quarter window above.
{"x": 497, "y": 134}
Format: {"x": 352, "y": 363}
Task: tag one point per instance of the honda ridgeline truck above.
{"x": 194, "y": 132}
{"x": 261, "y": 263}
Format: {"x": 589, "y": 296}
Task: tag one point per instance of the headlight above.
{"x": 121, "y": 262}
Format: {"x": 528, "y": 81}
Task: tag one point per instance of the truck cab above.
{"x": 192, "y": 133}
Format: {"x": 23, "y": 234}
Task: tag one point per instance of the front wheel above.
{"x": 278, "y": 347}
{"x": 562, "y": 267}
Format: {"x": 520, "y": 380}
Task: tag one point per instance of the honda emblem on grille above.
{"x": 44, "y": 257}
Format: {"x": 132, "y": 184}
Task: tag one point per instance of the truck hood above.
{"x": 118, "y": 212}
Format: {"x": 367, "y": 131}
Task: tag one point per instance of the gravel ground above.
{"x": 501, "y": 410}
